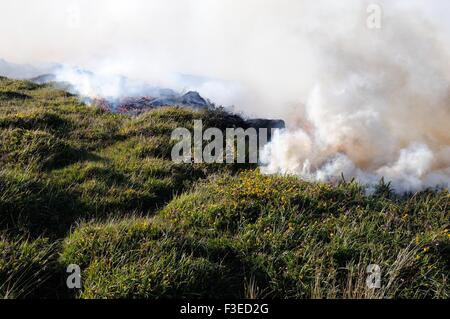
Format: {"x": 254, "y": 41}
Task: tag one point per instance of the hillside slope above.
{"x": 80, "y": 185}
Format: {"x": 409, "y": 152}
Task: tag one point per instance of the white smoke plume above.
{"x": 380, "y": 109}
{"x": 359, "y": 102}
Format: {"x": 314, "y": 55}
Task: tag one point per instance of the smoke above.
{"x": 359, "y": 102}
{"x": 113, "y": 87}
{"x": 380, "y": 109}
{"x": 109, "y": 86}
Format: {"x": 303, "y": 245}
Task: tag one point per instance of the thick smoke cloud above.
{"x": 361, "y": 102}
{"x": 380, "y": 108}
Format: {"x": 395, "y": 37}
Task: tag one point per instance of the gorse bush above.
{"x": 312, "y": 240}
{"x": 267, "y": 236}
{"x": 80, "y": 185}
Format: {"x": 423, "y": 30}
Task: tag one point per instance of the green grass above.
{"x": 79, "y": 185}
{"x": 25, "y": 267}
{"x": 62, "y": 161}
{"x": 266, "y": 236}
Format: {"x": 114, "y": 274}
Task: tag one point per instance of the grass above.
{"x": 79, "y": 185}
{"x": 62, "y": 161}
{"x": 251, "y": 235}
{"x": 25, "y": 266}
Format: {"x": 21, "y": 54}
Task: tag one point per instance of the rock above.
{"x": 194, "y": 99}
{"x": 190, "y": 99}
{"x": 138, "y": 105}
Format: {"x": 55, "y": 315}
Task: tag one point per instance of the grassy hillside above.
{"x": 79, "y": 185}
